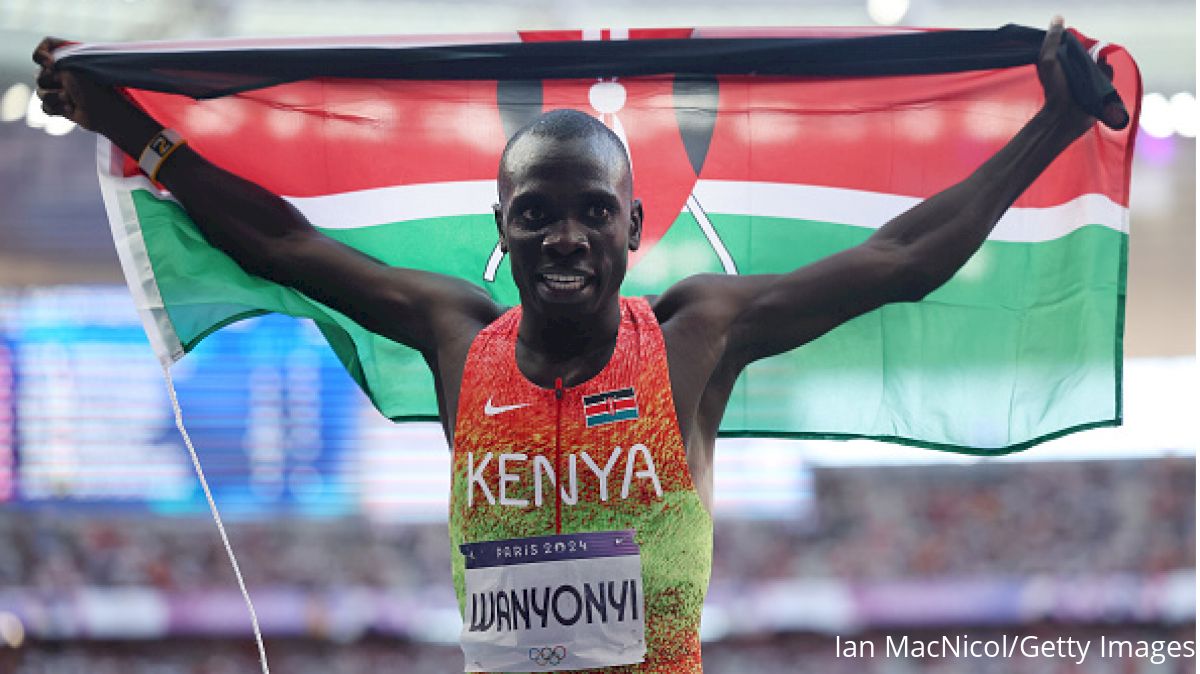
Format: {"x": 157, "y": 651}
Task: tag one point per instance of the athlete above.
{"x": 582, "y": 424}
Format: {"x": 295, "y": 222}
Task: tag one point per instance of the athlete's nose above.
{"x": 566, "y": 238}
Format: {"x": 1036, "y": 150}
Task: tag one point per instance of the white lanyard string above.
{"x": 262, "y": 652}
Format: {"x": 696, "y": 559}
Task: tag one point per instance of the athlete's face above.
{"x": 567, "y": 220}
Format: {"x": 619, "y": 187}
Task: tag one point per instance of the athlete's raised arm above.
{"x": 266, "y": 235}
{"x": 758, "y": 316}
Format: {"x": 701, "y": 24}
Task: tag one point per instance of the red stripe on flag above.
{"x": 660, "y": 33}
{"x": 551, "y": 35}
{"x": 908, "y": 135}
{"x": 327, "y": 136}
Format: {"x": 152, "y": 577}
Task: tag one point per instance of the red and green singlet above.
{"x": 603, "y": 456}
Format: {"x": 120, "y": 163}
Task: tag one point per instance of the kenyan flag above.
{"x": 753, "y": 151}
{"x": 610, "y": 407}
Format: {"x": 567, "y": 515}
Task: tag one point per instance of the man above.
{"x": 582, "y": 425}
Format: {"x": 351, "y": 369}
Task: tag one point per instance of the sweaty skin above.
{"x": 568, "y": 219}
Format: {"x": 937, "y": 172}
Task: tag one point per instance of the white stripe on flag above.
{"x": 873, "y": 209}
{"x": 778, "y": 200}
{"x": 350, "y": 210}
{"x": 132, "y": 253}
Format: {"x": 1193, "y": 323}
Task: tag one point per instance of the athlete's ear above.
{"x": 499, "y": 215}
{"x": 635, "y": 224}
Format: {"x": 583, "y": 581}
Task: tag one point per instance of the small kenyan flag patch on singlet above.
{"x": 610, "y": 406}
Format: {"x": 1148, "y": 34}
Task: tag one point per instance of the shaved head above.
{"x": 563, "y": 126}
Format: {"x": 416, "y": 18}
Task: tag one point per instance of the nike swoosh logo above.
{"x": 492, "y": 410}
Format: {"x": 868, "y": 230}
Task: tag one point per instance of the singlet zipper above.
{"x": 558, "y": 395}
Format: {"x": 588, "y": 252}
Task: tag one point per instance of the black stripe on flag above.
{"x": 601, "y": 397}
{"x": 220, "y": 71}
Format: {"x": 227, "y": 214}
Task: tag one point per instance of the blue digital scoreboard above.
{"x": 271, "y": 412}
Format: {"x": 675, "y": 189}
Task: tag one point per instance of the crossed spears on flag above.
{"x": 519, "y": 102}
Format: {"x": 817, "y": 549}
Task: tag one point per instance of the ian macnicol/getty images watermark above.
{"x": 1015, "y": 646}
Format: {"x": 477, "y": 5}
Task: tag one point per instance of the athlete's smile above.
{"x": 563, "y": 283}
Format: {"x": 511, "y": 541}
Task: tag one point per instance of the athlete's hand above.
{"x": 1059, "y": 101}
{"x": 69, "y": 95}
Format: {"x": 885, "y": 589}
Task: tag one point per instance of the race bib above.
{"x": 547, "y": 603}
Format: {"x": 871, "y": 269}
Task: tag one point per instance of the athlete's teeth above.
{"x": 565, "y": 287}
{"x": 564, "y": 281}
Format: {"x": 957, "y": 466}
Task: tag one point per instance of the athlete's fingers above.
{"x": 1050, "y": 71}
{"x": 44, "y": 52}
{"x": 1114, "y": 115}
{"x": 1054, "y": 35}
{"x": 49, "y": 96}
{"x": 49, "y": 79}
{"x": 52, "y": 108}
{"x": 55, "y": 102}
{"x": 45, "y": 94}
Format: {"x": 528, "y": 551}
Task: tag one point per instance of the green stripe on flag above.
{"x": 607, "y": 418}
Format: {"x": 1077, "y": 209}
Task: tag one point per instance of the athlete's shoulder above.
{"x": 697, "y": 296}
{"x": 499, "y": 321}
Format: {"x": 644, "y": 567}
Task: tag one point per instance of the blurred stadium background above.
{"x": 110, "y": 563}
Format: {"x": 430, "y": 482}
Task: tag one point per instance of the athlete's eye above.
{"x": 532, "y": 215}
{"x": 599, "y": 212}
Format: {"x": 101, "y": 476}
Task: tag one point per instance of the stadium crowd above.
{"x": 876, "y": 523}
{"x": 883, "y": 523}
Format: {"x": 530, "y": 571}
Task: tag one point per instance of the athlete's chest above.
{"x": 612, "y": 438}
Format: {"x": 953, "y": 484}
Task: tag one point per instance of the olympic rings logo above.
{"x": 547, "y": 656}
